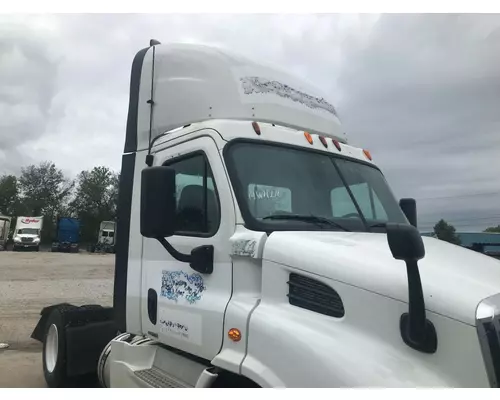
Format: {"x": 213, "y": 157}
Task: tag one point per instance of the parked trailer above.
{"x": 27, "y": 235}
{"x": 68, "y": 235}
{"x": 214, "y": 290}
{"x": 4, "y": 231}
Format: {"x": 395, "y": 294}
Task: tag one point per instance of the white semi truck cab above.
{"x": 106, "y": 234}
{"x": 27, "y": 234}
{"x": 106, "y": 237}
{"x": 257, "y": 248}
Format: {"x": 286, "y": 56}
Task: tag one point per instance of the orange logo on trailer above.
{"x": 30, "y": 220}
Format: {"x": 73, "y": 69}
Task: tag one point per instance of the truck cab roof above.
{"x": 174, "y": 85}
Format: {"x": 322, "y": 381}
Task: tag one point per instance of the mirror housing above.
{"x": 405, "y": 242}
{"x": 158, "y": 203}
{"x": 409, "y": 208}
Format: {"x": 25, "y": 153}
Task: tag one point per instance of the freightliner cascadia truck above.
{"x": 256, "y": 247}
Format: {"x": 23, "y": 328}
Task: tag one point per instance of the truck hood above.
{"x": 454, "y": 279}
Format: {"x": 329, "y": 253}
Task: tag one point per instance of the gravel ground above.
{"x": 31, "y": 281}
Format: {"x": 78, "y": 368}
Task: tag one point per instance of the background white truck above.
{"x": 4, "y": 231}
{"x": 257, "y": 248}
{"x": 27, "y": 234}
{"x": 106, "y": 238}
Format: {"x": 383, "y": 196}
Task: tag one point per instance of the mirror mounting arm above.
{"x": 185, "y": 258}
{"x": 201, "y": 258}
{"x": 416, "y": 330}
{"x": 416, "y": 301}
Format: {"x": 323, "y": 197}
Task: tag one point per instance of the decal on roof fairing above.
{"x": 254, "y": 84}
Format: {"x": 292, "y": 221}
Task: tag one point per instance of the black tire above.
{"x": 37, "y": 248}
{"x": 55, "y": 375}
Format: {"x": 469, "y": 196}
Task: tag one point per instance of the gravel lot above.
{"x": 30, "y": 281}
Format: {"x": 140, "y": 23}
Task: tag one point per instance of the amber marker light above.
{"x": 234, "y": 334}
{"x": 308, "y": 137}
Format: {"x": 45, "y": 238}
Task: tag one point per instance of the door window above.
{"x": 197, "y": 201}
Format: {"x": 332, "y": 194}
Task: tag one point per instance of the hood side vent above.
{"x": 315, "y": 296}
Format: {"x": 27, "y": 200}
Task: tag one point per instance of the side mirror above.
{"x": 417, "y": 331}
{"x": 405, "y": 242}
{"x": 158, "y": 203}
{"x": 409, "y": 208}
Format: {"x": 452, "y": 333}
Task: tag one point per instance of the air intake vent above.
{"x": 315, "y": 296}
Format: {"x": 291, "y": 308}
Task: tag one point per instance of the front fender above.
{"x": 287, "y": 351}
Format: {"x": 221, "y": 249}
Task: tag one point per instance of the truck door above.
{"x": 181, "y": 307}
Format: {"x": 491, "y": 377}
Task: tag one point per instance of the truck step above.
{"x": 156, "y": 378}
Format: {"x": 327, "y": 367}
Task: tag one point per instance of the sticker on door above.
{"x": 181, "y": 286}
{"x": 181, "y": 325}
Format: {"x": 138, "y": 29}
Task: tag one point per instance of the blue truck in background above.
{"x": 68, "y": 235}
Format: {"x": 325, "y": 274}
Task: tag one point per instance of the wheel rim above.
{"x": 51, "y": 348}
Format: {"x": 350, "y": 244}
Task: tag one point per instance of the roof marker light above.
{"x": 323, "y": 140}
{"x": 337, "y": 144}
{"x": 256, "y": 127}
{"x": 308, "y": 137}
{"x": 367, "y": 154}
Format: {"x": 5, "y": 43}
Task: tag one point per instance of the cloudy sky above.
{"x": 421, "y": 92}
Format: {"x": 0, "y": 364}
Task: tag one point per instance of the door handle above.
{"x": 152, "y": 305}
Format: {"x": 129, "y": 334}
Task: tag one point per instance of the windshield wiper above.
{"x": 378, "y": 225}
{"x": 308, "y": 218}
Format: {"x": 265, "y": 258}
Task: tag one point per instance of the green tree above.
{"x": 493, "y": 229}
{"x": 9, "y": 195}
{"x": 446, "y": 232}
{"x": 45, "y": 192}
{"x": 95, "y": 200}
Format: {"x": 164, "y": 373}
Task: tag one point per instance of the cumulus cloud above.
{"x": 28, "y": 84}
{"x": 420, "y": 91}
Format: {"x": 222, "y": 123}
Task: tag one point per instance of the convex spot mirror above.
{"x": 405, "y": 242}
{"x": 409, "y": 208}
{"x": 158, "y": 203}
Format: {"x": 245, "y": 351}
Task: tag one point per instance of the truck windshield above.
{"x": 28, "y": 231}
{"x": 288, "y": 188}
